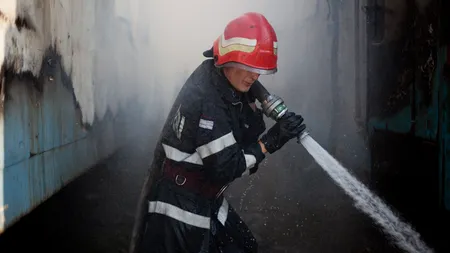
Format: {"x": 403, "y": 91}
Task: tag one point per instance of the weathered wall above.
{"x": 65, "y": 25}
{"x": 84, "y": 33}
{"x": 65, "y": 95}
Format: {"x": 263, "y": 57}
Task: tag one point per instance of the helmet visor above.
{"x": 251, "y": 69}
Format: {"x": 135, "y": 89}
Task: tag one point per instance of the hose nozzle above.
{"x": 272, "y": 106}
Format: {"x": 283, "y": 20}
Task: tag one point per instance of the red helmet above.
{"x": 248, "y": 42}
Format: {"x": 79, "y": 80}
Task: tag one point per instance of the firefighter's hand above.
{"x": 288, "y": 127}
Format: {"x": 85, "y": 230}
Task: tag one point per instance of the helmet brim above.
{"x": 248, "y": 68}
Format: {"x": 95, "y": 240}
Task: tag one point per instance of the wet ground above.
{"x": 290, "y": 204}
{"x": 95, "y": 213}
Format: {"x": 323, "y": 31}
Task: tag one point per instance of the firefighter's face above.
{"x": 241, "y": 79}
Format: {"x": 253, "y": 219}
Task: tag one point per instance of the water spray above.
{"x": 402, "y": 234}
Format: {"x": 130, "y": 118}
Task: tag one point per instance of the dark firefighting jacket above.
{"x": 209, "y": 139}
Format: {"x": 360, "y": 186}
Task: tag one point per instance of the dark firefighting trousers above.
{"x": 169, "y": 228}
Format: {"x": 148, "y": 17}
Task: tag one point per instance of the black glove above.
{"x": 288, "y": 127}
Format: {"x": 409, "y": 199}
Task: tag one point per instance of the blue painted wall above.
{"x": 45, "y": 145}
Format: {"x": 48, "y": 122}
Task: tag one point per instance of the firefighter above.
{"x": 210, "y": 138}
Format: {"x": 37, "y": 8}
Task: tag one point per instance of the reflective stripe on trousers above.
{"x": 186, "y": 216}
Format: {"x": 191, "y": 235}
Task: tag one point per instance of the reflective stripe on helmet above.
{"x": 236, "y": 44}
{"x": 237, "y": 40}
{"x": 275, "y": 48}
